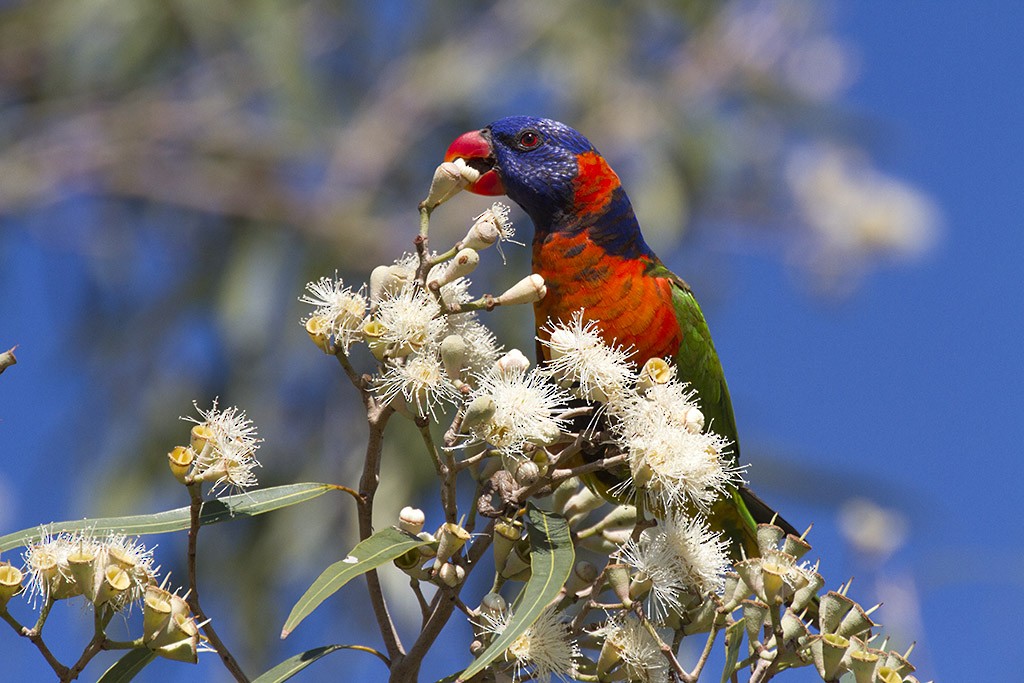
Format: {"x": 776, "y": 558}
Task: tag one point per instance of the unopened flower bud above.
{"x": 10, "y": 582}
{"x": 513, "y": 360}
{"x": 493, "y": 604}
{"x": 517, "y": 565}
{"x": 411, "y": 520}
{"x": 451, "y": 575}
{"x": 694, "y": 420}
{"x": 464, "y": 263}
{"x": 479, "y": 411}
{"x": 453, "y": 355}
{"x": 484, "y": 233}
{"x": 468, "y": 173}
{"x": 180, "y": 461}
{"x": 582, "y": 502}
{"x": 386, "y": 280}
{"x": 430, "y": 550}
{"x": 755, "y": 613}
{"x": 563, "y": 494}
{"x": 528, "y": 290}
{"x": 583, "y": 575}
{"x": 617, "y": 576}
{"x": 655, "y": 371}
{"x": 526, "y": 472}
{"x": 450, "y": 539}
{"x": 447, "y": 181}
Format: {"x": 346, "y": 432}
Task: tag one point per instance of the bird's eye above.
{"x": 528, "y": 139}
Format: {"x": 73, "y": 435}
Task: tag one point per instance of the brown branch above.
{"x": 195, "y": 509}
{"x": 377, "y": 418}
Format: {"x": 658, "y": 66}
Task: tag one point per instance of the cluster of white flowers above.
{"x": 113, "y": 571}
{"x": 222, "y": 450}
{"x": 672, "y": 460}
{"x": 680, "y": 555}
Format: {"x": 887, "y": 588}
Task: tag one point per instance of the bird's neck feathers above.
{"x": 597, "y": 210}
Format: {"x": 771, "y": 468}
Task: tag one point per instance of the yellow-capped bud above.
{"x": 828, "y": 652}
{"x": 180, "y": 461}
{"x": 199, "y": 436}
{"x": 506, "y": 535}
{"x": 387, "y": 280}
{"x": 527, "y": 291}
{"x": 655, "y": 371}
{"x": 372, "y": 331}
{"x": 319, "y": 330}
{"x": 10, "y": 582}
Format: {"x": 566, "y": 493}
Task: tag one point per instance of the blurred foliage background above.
{"x": 180, "y": 168}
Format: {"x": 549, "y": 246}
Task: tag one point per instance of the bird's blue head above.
{"x": 535, "y": 161}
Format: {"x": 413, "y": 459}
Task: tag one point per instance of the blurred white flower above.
{"x": 855, "y": 209}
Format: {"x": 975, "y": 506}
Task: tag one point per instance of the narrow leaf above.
{"x": 296, "y": 663}
{"x": 733, "y": 640}
{"x": 383, "y": 546}
{"x": 215, "y": 510}
{"x": 125, "y": 668}
{"x": 551, "y": 560}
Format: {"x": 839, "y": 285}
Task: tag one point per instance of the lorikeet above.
{"x": 588, "y": 247}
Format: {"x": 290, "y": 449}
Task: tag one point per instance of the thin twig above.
{"x": 195, "y": 509}
{"x": 36, "y": 638}
{"x": 376, "y": 418}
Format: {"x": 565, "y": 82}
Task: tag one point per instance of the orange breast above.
{"x": 631, "y": 308}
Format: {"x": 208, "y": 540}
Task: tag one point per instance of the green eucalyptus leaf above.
{"x": 296, "y": 663}
{"x": 733, "y": 640}
{"x": 238, "y": 506}
{"x": 124, "y": 669}
{"x": 383, "y": 546}
{"x": 551, "y": 560}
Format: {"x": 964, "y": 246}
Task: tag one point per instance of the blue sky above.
{"x": 909, "y": 392}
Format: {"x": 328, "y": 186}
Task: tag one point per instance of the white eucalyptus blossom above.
{"x": 671, "y": 463}
{"x": 638, "y": 650}
{"x": 580, "y": 358}
{"x": 654, "y": 561}
{"x": 225, "y": 444}
{"x": 543, "y": 650}
{"x": 340, "y": 310}
{"x": 482, "y": 348}
{"x": 409, "y": 320}
{"x": 525, "y": 403}
{"x": 421, "y": 380}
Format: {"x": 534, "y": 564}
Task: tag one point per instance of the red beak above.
{"x": 475, "y": 149}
